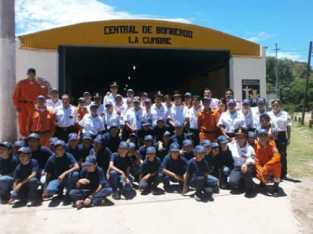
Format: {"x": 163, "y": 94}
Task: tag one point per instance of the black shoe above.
{"x": 116, "y": 196}
{"x": 198, "y": 196}
{"x": 275, "y": 190}
{"x": 262, "y": 185}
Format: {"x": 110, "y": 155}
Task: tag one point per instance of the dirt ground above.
{"x": 169, "y": 213}
{"x": 302, "y": 204}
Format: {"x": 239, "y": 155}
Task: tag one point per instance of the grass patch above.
{"x": 300, "y": 151}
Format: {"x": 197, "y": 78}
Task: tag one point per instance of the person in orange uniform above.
{"x": 42, "y": 121}
{"x": 24, "y": 98}
{"x": 267, "y": 160}
{"x": 207, "y": 122}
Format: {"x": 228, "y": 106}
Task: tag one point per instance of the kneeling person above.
{"x": 92, "y": 188}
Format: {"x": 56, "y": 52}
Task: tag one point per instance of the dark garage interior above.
{"x": 93, "y": 69}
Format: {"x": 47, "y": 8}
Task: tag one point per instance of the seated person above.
{"x": 119, "y": 173}
{"x": 61, "y": 171}
{"x": 85, "y": 147}
{"x": 187, "y": 149}
{"x": 72, "y": 147}
{"x": 92, "y": 188}
{"x": 173, "y": 167}
{"x": 163, "y": 146}
{"x": 8, "y": 163}
{"x": 26, "y": 179}
{"x": 102, "y": 153}
{"x": 149, "y": 173}
{"x": 148, "y": 141}
{"x": 135, "y": 161}
{"x": 267, "y": 160}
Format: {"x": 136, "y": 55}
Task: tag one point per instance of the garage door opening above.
{"x": 93, "y": 69}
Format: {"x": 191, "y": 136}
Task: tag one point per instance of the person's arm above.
{"x": 275, "y": 157}
{"x": 112, "y": 167}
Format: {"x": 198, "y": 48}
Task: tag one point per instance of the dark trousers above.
{"x": 281, "y": 143}
{"x": 55, "y": 186}
{"x": 119, "y": 185}
{"x": 6, "y": 183}
{"x": 168, "y": 179}
{"x": 151, "y": 183}
{"x": 62, "y": 133}
{"x": 236, "y": 177}
{"x": 204, "y": 183}
{"x": 28, "y": 192}
{"x": 81, "y": 194}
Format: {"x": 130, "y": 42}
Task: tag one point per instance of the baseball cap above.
{"x": 265, "y": 116}
{"x": 33, "y": 136}
{"x": 94, "y": 106}
{"x": 90, "y": 160}
{"x": 98, "y": 139}
{"x": 73, "y": 137}
{"x": 205, "y": 143}
{"x": 19, "y": 143}
{"x": 174, "y": 147}
{"x": 59, "y": 143}
{"x": 24, "y": 150}
{"x": 167, "y": 133}
{"x": 232, "y": 102}
{"x": 148, "y": 138}
{"x": 136, "y": 99}
{"x": 199, "y": 149}
{"x": 187, "y": 142}
{"x": 188, "y": 94}
{"x": 131, "y": 145}
{"x": 241, "y": 131}
{"x": 246, "y": 102}
{"x": 123, "y": 145}
{"x": 215, "y": 145}
{"x": 222, "y": 140}
{"x": 6, "y": 144}
{"x": 150, "y": 150}
{"x": 87, "y": 137}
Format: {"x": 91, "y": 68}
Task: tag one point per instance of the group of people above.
{"x": 120, "y": 144}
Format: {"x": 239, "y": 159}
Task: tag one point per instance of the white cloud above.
{"x": 288, "y": 55}
{"x": 35, "y": 15}
{"x": 260, "y": 36}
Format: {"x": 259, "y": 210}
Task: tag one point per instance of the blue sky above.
{"x": 287, "y": 22}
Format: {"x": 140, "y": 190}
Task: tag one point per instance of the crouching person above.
{"x": 26, "y": 180}
{"x": 267, "y": 161}
{"x": 119, "y": 173}
{"x": 244, "y": 164}
{"x": 61, "y": 172}
{"x": 8, "y": 163}
{"x": 173, "y": 168}
{"x": 92, "y": 188}
{"x": 149, "y": 174}
{"x": 197, "y": 176}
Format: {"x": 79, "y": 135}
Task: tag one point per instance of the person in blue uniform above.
{"x": 8, "y": 163}
{"x": 148, "y": 141}
{"x": 119, "y": 173}
{"x": 135, "y": 161}
{"x": 62, "y": 171}
{"x": 163, "y": 146}
{"x": 92, "y": 188}
{"x": 187, "y": 150}
{"x": 112, "y": 138}
{"x": 72, "y": 147}
{"x": 102, "y": 153}
{"x": 86, "y": 146}
{"x": 26, "y": 180}
{"x": 173, "y": 168}
{"x": 149, "y": 174}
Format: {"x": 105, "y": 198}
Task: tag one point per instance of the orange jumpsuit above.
{"x": 43, "y": 123}
{"x": 24, "y": 98}
{"x": 207, "y": 121}
{"x": 267, "y": 161}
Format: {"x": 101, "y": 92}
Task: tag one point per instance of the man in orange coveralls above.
{"x": 24, "y": 98}
{"x": 42, "y": 121}
{"x": 267, "y": 161}
{"x": 207, "y": 121}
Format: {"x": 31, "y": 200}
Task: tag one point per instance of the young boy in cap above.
{"x": 119, "y": 173}
{"x": 173, "y": 167}
{"x": 148, "y": 141}
{"x": 187, "y": 150}
{"x": 149, "y": 174}
{"x": 61, "y": 171}
{"x": 135, "y": 160}
{"x": 92, "y": 188}
{"x": 26, "y": 179}
{"x": 112, "y": 138}
{"x": 72, "y": 147}
{"x": 8, "y": 163}
{"x": 102, "y": 153}
{"x": 197, "y": 176}
{"x": 86, "y": 146}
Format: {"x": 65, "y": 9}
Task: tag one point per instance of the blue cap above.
{"x": 90, "y": 160}
{"x": 87, "y": 137}
{"x": 98, "y": 139}
{"x": 232, "y": 102}
{"x": 160, "y": 119}
{"x": 222, "y": 140}
{"x": 33, "y": 136}
{"x": 199, "y": 149}
{"x": 73, "y": 137}
{"x": 215, "y": 145}
{"x": 123, "y": 145}
{"x": 150, "y": 150}
{"x": 261, "y": 101}
{"x": 52, "y": 140}
{"x": 59, "y": 143}
{"x": 246, "y": 102}
{"x": 6, "y": 144}
{"x": 262, "y": 132}
{"x": 24, "y": 150}
{"x": 19, "y": 143}
{"x": 265, "y": 115}
{"x": 174, "y": 147}
{"x": 131, "y": 145}
{"x": 251, "y": 134}
{"x": 187, "y": 142}
{"x": 148, "y": 138}
{"x": 206, "y": 143}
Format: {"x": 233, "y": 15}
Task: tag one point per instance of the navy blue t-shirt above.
{"x": 95, "y": 179}
{"x": 197, "y": 168}
{"x": 177, "y": 166}
{"x": 23, "y": 171}
{"x": 121, "y": 163}
{"x": 42, "y": 155}
{"x": 7, "y": 166}
{"x": 84, "y": 151}
{"x": 111, "y": 142}
{"x": 57, "y": 165}
{"x": 150, "y": 166}
{"x": 188, "y": 155}
{"x": 75, "y": 152}
{"x": 103, "y": 157}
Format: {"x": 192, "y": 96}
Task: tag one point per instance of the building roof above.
{"x": 139, "y": 34}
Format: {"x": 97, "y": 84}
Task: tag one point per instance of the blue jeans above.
{"x": 236, "y": 177}
{"x": 56, "y": 187}
{"x": 119, "y": 185}
{"x": 167, "y": 179}
{"x": 6, "y": 183}
{"x": 28, "y": 191}
{"x": 201, "y": 182}
{"x": 151, "y": 183}
{"x": 80, "y": 194}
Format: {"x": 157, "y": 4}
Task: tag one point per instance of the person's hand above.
{"x": 61, "y": 177}
{"x": 244, "y": 168}
{"x": 84, "y": 181}
{"x": 87, "y": 201}
{"x": 178, "y": 178}
{"x": 17, "y": 187}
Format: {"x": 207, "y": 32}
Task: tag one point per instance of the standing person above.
{"x": 24, "y": 98}
{"x": 207, "y": 122}
{"x": 259, "y": 110}
{"x": 133, "y": 118}
{"x": 178, "y": 111}
{"x": 110, "y": 97}
{"x": 87, "y": 100}
{"x": 42, "y": 121}
{"x": 72, "y": 147}
{"x": 54, "y": 101}
{"x": 192, "y": 114}
{"x": 81, "y": 109}
{"x": 267, "y": 161}
{"x": 92, "y": 123}
{"x": 213, "y": 102}
{"x": 61, "y": 171}
{"x": 66, "y": 117}
{"x": 111, "y": 138}
{"x": 281, "y": 130}
{"x": 92, "y": 188}
{"x": 97, "y": 101}
{"x": 158, "y": 109}
{"x": 8, "y": 163}
{"x": 26, "y": 179}
{"x": 244, "y": 163}
{"x": 110, "y": 116}
{"x": 149, "y": 174}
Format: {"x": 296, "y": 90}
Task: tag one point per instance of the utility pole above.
{"x": 276, "y": 71}
{"x": 307, "y": 77}
{"x": 7, "y": 70}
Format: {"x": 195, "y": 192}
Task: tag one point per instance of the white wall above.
{"x": 44, "y": 61}
{"x": 243, "y": 68}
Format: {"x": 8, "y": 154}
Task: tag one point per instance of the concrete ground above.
{"x": 170, "y": 213}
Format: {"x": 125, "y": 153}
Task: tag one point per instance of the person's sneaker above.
{"x": 198, "y": 197}
{"x": 261, "y": 185}
{"x": 275, "y": 191}
{"x": 116, "y": 196}
{"x": 33, "y": 203}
